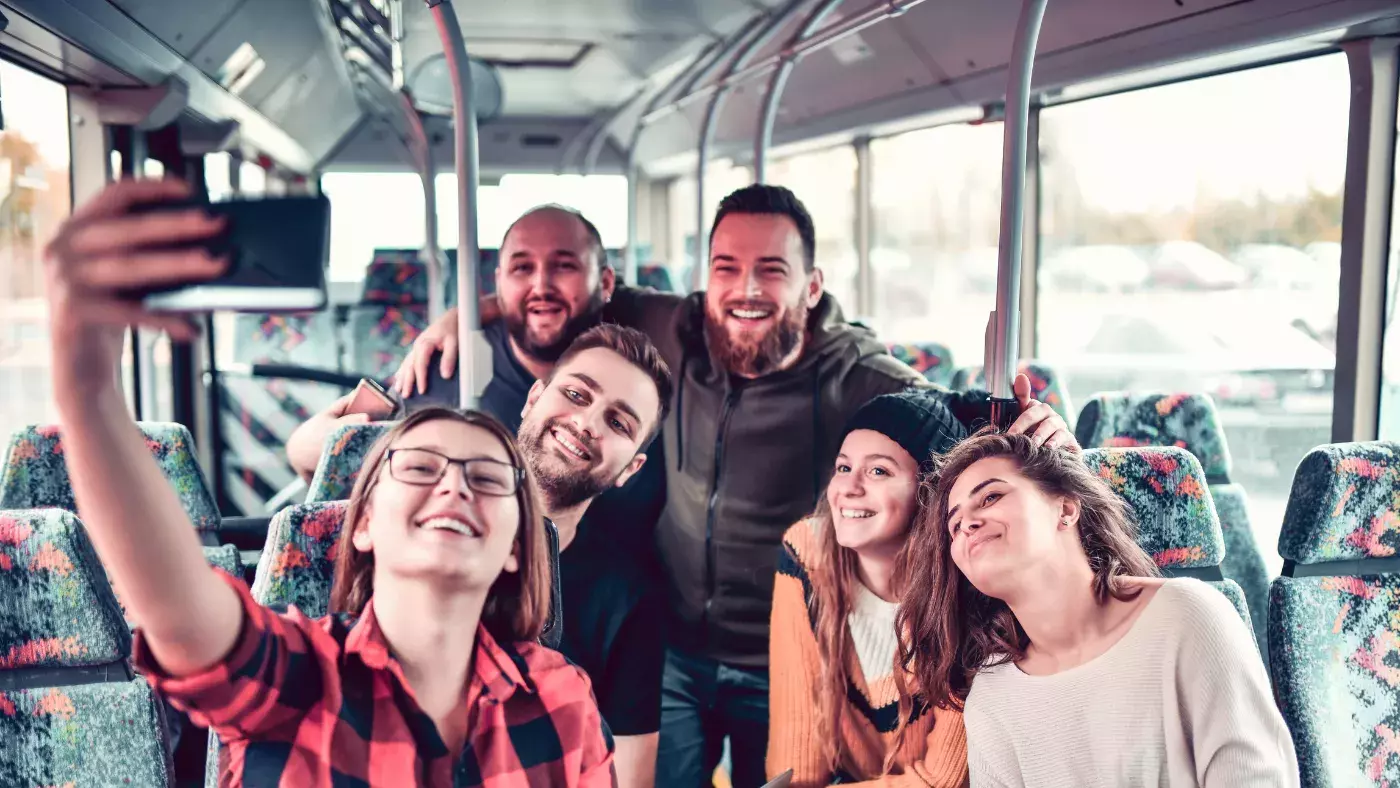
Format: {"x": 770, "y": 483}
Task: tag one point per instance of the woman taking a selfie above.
{"x": 835, "y": 712}
{"x": 423, "y": 673}
{"x": 1076, "y": 664}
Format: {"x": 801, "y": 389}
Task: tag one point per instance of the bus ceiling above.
{"x": 575, "y": 82}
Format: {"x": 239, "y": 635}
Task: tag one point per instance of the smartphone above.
{"x": 278, "y": 250}
{"x": 373, "y": 400}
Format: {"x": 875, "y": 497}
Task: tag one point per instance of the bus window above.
{"x": 720, "y": 179}
{"x": 35, "y": 198}
{"x": 1389, "y": 423}
{"x": 825, "y": 181}
{"x": 936, "y": 208}
{"x": 1203, "y": 211}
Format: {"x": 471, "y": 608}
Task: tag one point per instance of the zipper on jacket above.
{"x": 730, "y": 400}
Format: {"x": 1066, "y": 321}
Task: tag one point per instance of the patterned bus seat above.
{"x": 930, "y": 359}
{"x": 1334, "y": 615}
{"x": 1176, "y": 518}
{"x": 35, "y": 475}
{"x": 1189, "y": 421}
{"x": 71, "y": 711}
{"x": 341, "y": 458}
{"x": 1047, "y": 385}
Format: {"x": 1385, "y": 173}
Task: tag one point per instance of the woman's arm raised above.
{"x": 101, "y": 257}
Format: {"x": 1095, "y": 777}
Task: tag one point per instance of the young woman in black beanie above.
{"x": 834, "y": 707}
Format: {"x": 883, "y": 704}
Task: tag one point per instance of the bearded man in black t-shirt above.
{"x": 584, "y": 430}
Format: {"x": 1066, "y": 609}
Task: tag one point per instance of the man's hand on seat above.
{"x": 305, "y": 443}
{"x": 1040, "y": 420}
{"x": 412, "y": 375}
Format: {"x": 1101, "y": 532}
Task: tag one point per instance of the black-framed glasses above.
{"x": 425, "y": 467}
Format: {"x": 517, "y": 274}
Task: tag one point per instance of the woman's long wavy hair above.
{"x": 517, "y": 606}
{"x": 833, "y": 571}
{"x": 948, "y": 630}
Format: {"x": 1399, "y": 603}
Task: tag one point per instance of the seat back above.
{"x": 341, "y": 458}
{"x": 258, "y": 415}
{"x": 930, "y": 359}
{"x": 71, "y": 711}
{"x": 1047, "y": 385}
{"x": 1189, "y": 421}
{"x": 395, "y": 278}
{"x": 35, "y": 475}
{"x": 1177, "y": 522}
{"x": 298, "y": 561}
{"x": 379, "y": 337}
{"x": 1334, "y": 647}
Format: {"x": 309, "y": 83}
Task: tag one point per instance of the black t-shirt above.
{"x": 605, "y": 580}
{"x": 612, "y": 629}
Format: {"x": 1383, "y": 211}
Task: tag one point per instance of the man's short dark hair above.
{"x": 595, "y": 238}
{"x": 762, "y": 198}
{"x": 637, "y": 350}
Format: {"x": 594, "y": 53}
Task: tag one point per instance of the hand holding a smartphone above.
{"x": 103, "y": 254}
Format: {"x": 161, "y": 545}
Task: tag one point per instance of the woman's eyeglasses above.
{"x": 425, "y": 467}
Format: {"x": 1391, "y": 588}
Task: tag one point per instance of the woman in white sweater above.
{"x": 1077, "y": 665}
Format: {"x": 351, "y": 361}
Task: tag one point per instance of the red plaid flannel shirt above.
{"x": 315, "y": 704}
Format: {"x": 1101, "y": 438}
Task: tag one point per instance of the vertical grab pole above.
{"x": 630, "y": 264}
{"x": 468, "y": 177}
{"x": 422, "y": 151}
{"x": 1003, "y": 348}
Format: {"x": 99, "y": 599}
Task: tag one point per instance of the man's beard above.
{"x": 753, "y": 357}
{"x": 561, "y": 490}
{"x": 517, "y": 323}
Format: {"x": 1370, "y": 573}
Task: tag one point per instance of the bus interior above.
{"x": 1208, "y": 249}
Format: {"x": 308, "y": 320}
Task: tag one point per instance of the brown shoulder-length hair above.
{"x": 517, "y": 606}
{"x": 948, "y": 629}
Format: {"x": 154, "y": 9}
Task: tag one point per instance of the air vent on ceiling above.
{"x": 540, "y": 140}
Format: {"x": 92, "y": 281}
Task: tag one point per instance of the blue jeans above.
{"x": 702, "y": 702}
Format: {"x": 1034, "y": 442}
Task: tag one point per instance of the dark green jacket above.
{"x": 745, "y": 459}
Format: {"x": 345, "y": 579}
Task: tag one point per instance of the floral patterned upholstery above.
{"x": 344, "y": 453}
{"x": 1047, "y": 385}
{"x": 298, "y": 560}
{"x": 304, "y": 338}
{"x": 83, "y": 735}
{"x": 1335, "y": 645}
{"x": 35, "y": 475}
{"x": 58, "y": 614}
{"x": 1188, "y": 421}
{"x": 379, "y": 337}
{"x": 1177, "y": 523}
{"x": 930, "y": 359}
{"x": 57, "y": 609}
{"x": 396, "y": 278}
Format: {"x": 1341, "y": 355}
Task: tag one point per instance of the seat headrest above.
{"x": 1177, "y": 522}
{"x": 36, "y": 476}
{"x": 930, "y": 359}
{"x": 343, "y": 453}
{"x": 395, "y": 279}
{"x": 657, "y": 277}
{"x": 57, "y": 609}
{"x": 1345, "y": 504}
{"x": 381, "y": 336}
{"x": 298, "y": 560}
{"x": 1188, "y": 421}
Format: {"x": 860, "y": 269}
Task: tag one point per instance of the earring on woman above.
{"x": 1066, "y": 522}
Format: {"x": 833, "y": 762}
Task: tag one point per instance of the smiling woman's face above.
{"x": 1001, "y": 525}
{"x": 448, "y": 531}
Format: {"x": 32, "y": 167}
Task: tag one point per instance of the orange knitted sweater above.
{"x": 935, "y": 751}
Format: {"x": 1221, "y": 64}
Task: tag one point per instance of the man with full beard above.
{"x": 551, "y": 284}
{"x": 585, "y": 427}
{"x": 767, "y": 373}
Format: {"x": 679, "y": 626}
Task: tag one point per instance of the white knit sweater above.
{"x": 1181, "y": 700}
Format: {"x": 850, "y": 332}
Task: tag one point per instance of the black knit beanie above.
{"x": 918, "y": 419}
